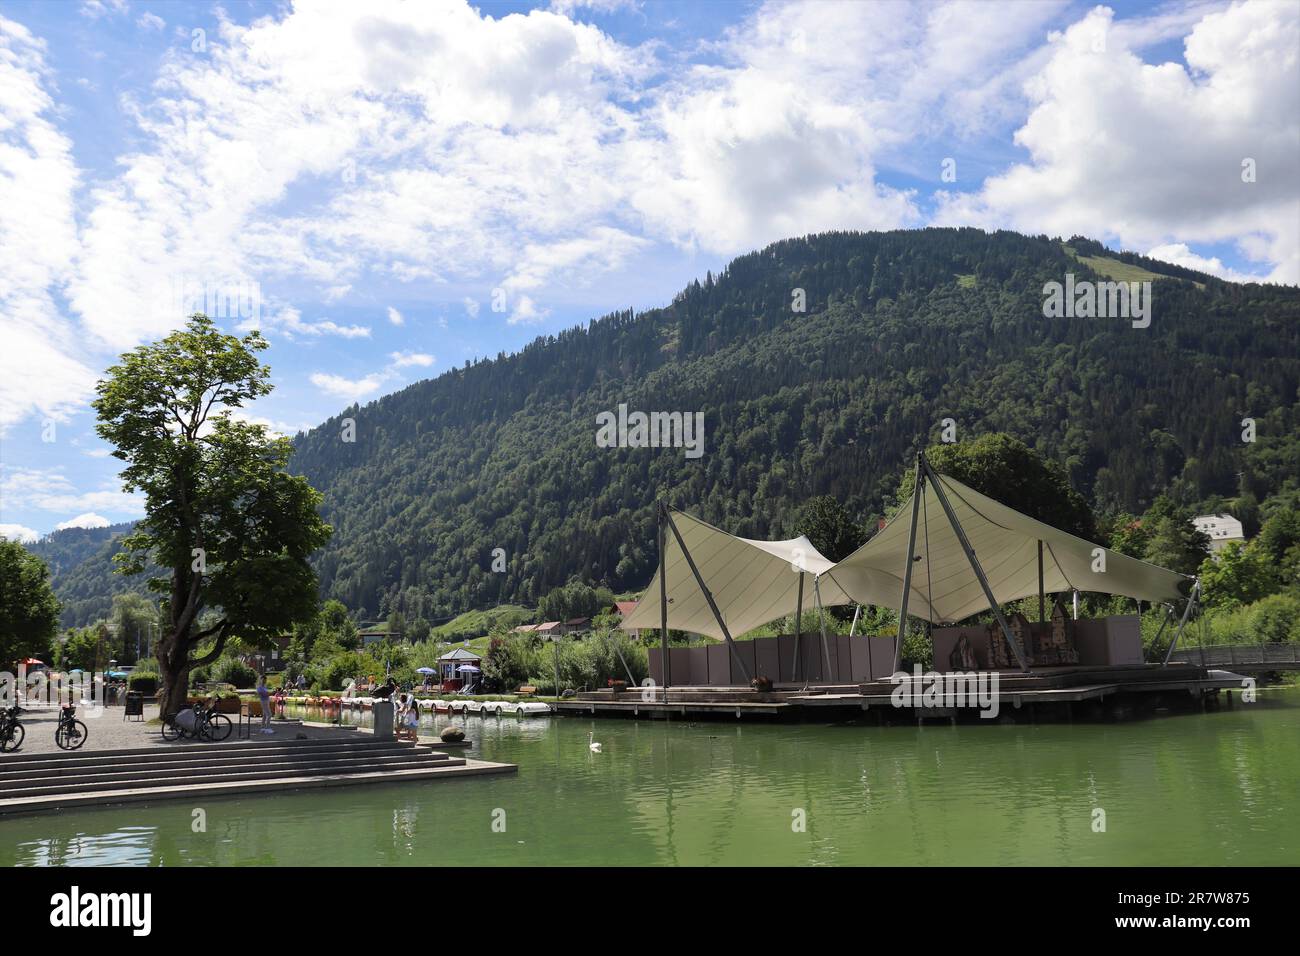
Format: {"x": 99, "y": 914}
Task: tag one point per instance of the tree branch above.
{"x": 217, "y": 648}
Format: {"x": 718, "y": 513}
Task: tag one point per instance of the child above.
{"x": 411, "y": 720}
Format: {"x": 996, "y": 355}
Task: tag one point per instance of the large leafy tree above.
{"x": 232, "y": 529}
{"x": 29, "y": 611}
{"x": 1007, "y": 469}
{"x": 830, "y": 527}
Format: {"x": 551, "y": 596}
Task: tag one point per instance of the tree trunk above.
{"x": 174, "y": 677}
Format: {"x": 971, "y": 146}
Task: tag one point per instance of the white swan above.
{"x": 592, "y": 744}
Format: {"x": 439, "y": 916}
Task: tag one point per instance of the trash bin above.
{"x": 134, "y": 705}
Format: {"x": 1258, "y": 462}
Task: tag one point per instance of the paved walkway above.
{"x": 109, "y": 731}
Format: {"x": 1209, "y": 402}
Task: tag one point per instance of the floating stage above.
{"x": 1046, "y": 692}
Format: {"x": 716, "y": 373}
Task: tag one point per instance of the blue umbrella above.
{"x": 425, "y": 670}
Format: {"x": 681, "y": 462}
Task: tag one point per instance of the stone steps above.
{"x": 52, "y": 781}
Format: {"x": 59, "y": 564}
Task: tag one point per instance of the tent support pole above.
{"x": 662, "y": 513}
{"x": 1168, "y": 614}
{"x": 857, "y": 609}
{"x": 919, "y": 489}
{"x": 708, "y": 596}
{"x": 974, "y": 564}
{"x": 798, "y": 630}
{"x": 821, "y": 622}
{"x": 1042, "y": 614}
{"x": 1191, "y": 599}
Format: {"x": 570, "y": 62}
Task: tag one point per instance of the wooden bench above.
{"x": 527, "y": 691}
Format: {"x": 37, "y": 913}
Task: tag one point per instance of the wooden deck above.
{"x": 1042, "y": 687}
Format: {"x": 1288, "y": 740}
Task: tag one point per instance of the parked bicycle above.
{"x": 71, "y": 733}
{"x": 197, "y": 722}
{"x": 11, "y": 731}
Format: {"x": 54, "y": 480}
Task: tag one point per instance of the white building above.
{"x": 1222, "y": 530}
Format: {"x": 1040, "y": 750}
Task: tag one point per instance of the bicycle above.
{"x": 198, "y": 722}
{"x": 71, "y": 733}
{"x": 11, "y": 731}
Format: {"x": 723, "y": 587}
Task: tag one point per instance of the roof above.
{"x": 524, "y": 628}
{"x": 945, "y": 588}
{"x": 461, "y": 654}
{"x": 548, "y": 626}
{"x": 752, "y": 581}
{"x": 625, "y": 608}
{"x": 577, "y": 621}
{"x": 1219, "y": 526}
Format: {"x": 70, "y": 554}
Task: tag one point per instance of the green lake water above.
{"x": 1203, "y": 789}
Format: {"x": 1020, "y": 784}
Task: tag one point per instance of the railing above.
{"x": 1254, "y": 654}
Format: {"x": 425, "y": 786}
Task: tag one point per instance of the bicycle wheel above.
{"x": 14, "y": 739}
{"x": 170, "y": 731}
{"x": 218, "y": 728}
{"x": 71, "y": 735}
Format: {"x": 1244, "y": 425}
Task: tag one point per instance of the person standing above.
{"x": 264, "y": 695}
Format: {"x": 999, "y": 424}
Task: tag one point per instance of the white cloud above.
{"x": 569, "y": 7}
{"x": 526, "y": 312}
{"x": 289, "y": 323}
{"x": 94, "y": 9}
{"x": 42, "y": 365}
{"x": 87, "y": 520}
{"x": 1180, "y": 255}
{"x": 441, "y": 146}
{"x": 395, "y": 317}
{"x": 19, "y": 533}
{"x": 52, "y": 490}
{"x": 350, "y": 389}
{"x": 1153, "y": 154}
{"x": 274, "y": 426}
{"x": 150, "y": 21}
{"x": 407, "y": 359}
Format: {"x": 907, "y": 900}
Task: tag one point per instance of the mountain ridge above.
{"x": 901, "y": 330}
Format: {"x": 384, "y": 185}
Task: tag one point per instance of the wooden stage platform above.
{"x": 1018, "y": 695}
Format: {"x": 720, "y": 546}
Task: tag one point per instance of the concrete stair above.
{"x": 57, "y": 780}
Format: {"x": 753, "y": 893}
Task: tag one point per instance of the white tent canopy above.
{"x": 944, "y": 587}
{"x": 753, "y": 582}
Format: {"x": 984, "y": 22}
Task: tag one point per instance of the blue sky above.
{"x": 368, "y": 180}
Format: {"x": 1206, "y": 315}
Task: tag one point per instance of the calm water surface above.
{"x": 1205, "y": 789}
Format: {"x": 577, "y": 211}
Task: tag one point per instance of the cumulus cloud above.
{"x": 19, "y": 533}
{"x": 349, "y": 389}
{"x": 87, "y": 520}
{"x": 1162, "y": 154}
{"x": 395, "y": 317}
{"x": 442, "y": 147}
{"x": 407, "y": 359}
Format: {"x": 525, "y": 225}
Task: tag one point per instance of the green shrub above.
{"x": 231, "y": 670}
{"x": 199, "y": 676}
{"x": 144, "y": 683}
{"x": 1275, "y": 619}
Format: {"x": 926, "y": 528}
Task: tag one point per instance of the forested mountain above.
{"x": 901, "y": 330}
{"x": 80, "y": 563}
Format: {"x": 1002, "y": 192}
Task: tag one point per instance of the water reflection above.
{"x": 1199, "y": 789}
